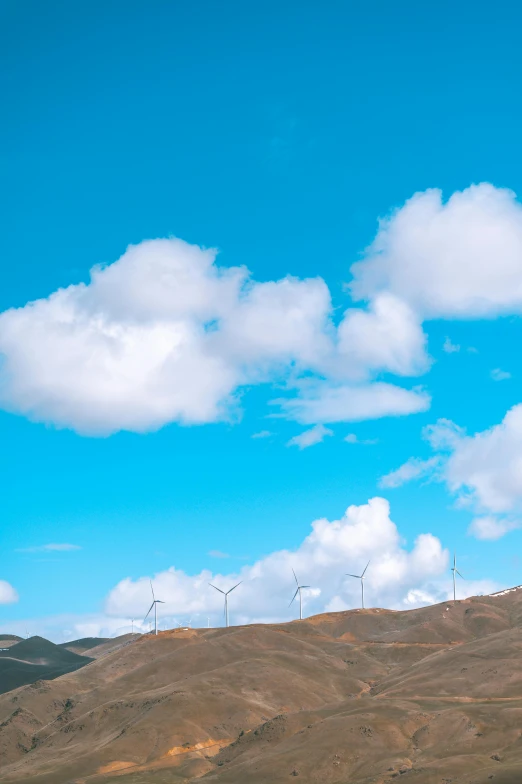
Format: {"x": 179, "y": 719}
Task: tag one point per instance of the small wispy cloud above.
{"x": 351, "y": 438}
{"x": 500, "y": 375}
{"x": 490, "y": 528}
{"x": 449, "y": 347}
{"x": 310, "y": 437}
{"x": 218, "y": 554}
{"x": 414, "y": 468}
{"x": 262, "y": 434}
{"x": 48, "y": 548}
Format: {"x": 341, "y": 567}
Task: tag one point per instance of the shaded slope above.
{"x": 34, "y": 659}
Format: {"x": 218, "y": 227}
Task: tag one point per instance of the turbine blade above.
{"x": 305, "y": 586}
{"x": 234, "y": 588}
{"x": 295, "y": 577}
{"x": 365, "y": 568}
{"x": 217, "y": 589}
{"x": 159, "y": 601}
{"x": 357, "y": 576}
{"x": 152, "y": 589}
{"x": 459, "y": 574}
{"x": 293, "y": 597}
{"x": 150, "y": 608}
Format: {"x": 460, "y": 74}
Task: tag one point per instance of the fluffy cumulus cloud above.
{"x": 166, "y": 334}
{"x": 397, "y": 576}
{"x": 456, "y": 259}
{"x": 8, "y": 595}
{"x": 386, "y": 336}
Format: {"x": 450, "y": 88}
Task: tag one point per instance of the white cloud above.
{"x": 443, "y": 435}
{"x": 399, "y": 577}
{"x": 461, "y": 258}
{"x": 352, "y": 438}
{"x": 414, "y": 468}
{"x": 486, "y": 469}
{"x": 315, "y": 435}
{"x": 327, "y": 403}
{"x": 387, "y": 336}
{"x": 218, "y": 554}
{"x": 8, "y": 595}
{"x": 500, "y": 375}
{"x": 165, "y": 334}
{"x": 46, "y": 548}
{"x": 449, "y": 347}
{"x": 325, "y": 555}
{"x": 491, "y": 528}
{"x": 262, "y": 434}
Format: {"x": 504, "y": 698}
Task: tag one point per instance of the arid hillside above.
{"x": 431, "y": 696}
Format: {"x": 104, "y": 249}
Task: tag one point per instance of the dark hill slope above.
{"x": 35, "y": 659}
{"x": 368, "y": 697}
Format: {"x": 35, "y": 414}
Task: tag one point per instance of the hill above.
{"x": 433, "y": 695}
{"x": 35, "y": 659}
{"x": 84, "y": 644}
{"x": 7, "y": 640}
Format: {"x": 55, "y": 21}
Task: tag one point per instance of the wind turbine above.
{"x": 361, "y": 578}
{"x": 154, "y": 604}
{"x": 225, "y": 594}
{"x": 298, "y": 591}
{"x": 455, "y": 572}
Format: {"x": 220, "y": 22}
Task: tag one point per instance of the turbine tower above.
{"x": 154, "y": 604}
{"x": 298, "y": 591}
{"x": 455, "y": 572}
{"x": 361, "y": 578}
{"x": 225, "y": 594}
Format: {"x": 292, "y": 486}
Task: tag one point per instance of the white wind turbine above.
{"x": 361, "y": 578}
{"x": 225, "y": 594}
{"x": 154, "y": 604}
{"x": 299, "y": 591}
{"x": 455, "y": 572}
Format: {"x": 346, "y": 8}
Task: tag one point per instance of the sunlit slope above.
{"x": 359, "y": 696}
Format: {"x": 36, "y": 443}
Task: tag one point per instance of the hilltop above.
{"x": 433, "y": 694}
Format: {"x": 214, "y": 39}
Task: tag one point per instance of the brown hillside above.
{"x": 433, "y": 694}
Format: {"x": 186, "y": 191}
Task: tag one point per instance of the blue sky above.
{"x": 279, "y": 134}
